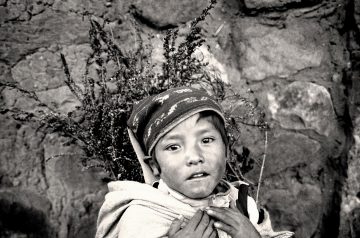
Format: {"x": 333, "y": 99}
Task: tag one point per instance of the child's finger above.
{"x": 213, "y": 234}
{"x": 228, "y": 210}
{"x": 194, "y": 221}
{"x": 209, "y": 229}
{"x": 222, "y": 214}
{"x": 175, "y": 226}
{"x": 203, "y": 224}
{"x": 222, "y": 226}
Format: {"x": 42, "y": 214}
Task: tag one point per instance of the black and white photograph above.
{"x": 179, "y": 119}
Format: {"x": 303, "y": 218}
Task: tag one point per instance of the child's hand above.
{"x": 233, "y": 222}
{"x": 199, "y": 226}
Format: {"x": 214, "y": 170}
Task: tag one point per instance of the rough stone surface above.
{"x": 350, "y": 206}
{"x": 6, "y": 73}
{"x": 14, "y": 10}
{"x": 88, "y": 7}
{"x": 71, "y": 189}
{"x": 300, "y": 56}
{"x": 255, "y": 4}
{"x": 357, "y": 13}
{"x": 107, "y": 9}
{"x": 40, "y": 71}
{"x": 304, "y": 200}
{"x": 60, "y": 198}
{"x": 29, "y": 209}
{"x": 303, "y": 106}
{"x": 289, "y": 151}
{"x": 60, "y": 99}
{"x": 300, "y": 186}
{"x": 176, "y": 12}
{"x": 43, "y": 70}
{"x": 22, "y": 39}
{"x": 266, "y": 52}
{"x": 291, "y": 182}
{"x": 22, "y": 10}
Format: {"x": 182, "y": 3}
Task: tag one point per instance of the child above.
{"x": 180, "y": 139}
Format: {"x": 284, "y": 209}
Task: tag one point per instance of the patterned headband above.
{"x": 156, "y": 115}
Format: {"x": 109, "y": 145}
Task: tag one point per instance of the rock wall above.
{"x": 350, "y": 205}
{"x": 298, "y": 58}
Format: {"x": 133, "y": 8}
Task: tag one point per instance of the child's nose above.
{"x": 194, "y": 156}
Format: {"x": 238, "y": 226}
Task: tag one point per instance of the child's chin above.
{"x": 198, "y": 194}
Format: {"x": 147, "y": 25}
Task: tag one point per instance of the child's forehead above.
{"x": 194, "y": 123}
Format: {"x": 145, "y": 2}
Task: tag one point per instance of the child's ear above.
{"x": 155, "y": 168}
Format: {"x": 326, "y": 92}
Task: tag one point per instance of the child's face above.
{"x": 192, "y": 157}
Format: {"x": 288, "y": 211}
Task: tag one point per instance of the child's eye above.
{"x": 172, "y": 147}
{"x": 207, "y": 140}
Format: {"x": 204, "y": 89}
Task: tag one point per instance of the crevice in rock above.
{"x": 338, "y": 166}
{"x": 284, "y": 8}
{"x": 351, "y": 31}
{"x": 350, "y": 22}
{"x": 43, "y": 167}
{"x": 144, "y": 21}
{"x": 331, "y": 216}
{"x": 337, "y": 169}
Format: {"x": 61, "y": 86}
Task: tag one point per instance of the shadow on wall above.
{"x": 20, "y": 220}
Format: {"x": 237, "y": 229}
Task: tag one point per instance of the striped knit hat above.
{"x": 156, "y": 115}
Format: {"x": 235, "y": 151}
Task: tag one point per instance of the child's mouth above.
{"x": 198, "y": 175}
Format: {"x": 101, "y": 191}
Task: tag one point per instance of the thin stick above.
{"x": 62, "y": 155}
{"x": 219, "y": 29}
{"x": 234, "y": 172}
{"x": 262, "y": 166}
{"x": 74, "y": 88}
{"x": 113, "y": 38}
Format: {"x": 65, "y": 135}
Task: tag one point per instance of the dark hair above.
{"x": 217, "y": 122}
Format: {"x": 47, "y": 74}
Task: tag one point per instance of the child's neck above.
{"x": 219, "y": 197}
